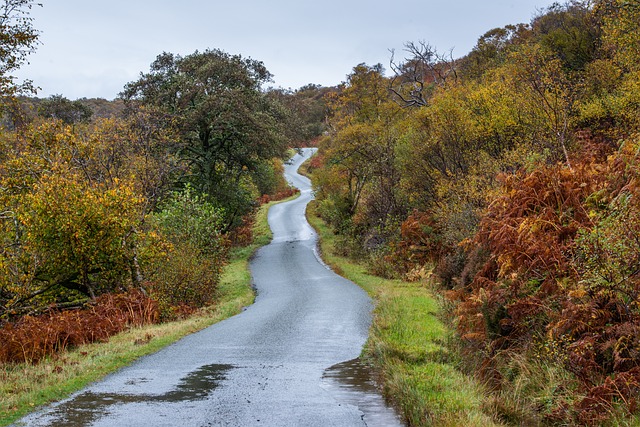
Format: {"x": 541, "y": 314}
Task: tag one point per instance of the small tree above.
{"x": 189, "y": 274}
{"x": 18, "y": 39}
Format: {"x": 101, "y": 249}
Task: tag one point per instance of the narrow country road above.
{"x": 264, "y": 367}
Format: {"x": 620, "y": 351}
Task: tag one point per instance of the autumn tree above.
{"x": 18, "y": 39}
{"x": 358, "y": 189}
{"x": 491, "y": 49}
{"x": 570, "y": 32}
{"x": 620, "y": 26}
{"x": 64, "y": 238}
{"x": 306, "y": 111}
{"x": 194, "y": 252}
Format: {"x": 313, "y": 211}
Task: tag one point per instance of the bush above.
{"x": 187, "y": 217}
{"x": 188, "y": 272}
{"x": 31, "y": 339}
{"x": 561, "y": 282}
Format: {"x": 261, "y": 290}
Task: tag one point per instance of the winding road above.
{"x": 270, "y": 365}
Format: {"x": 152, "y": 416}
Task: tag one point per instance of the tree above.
{"x": 416, "y": 78}
{"x": 569, "y": 32}
{"x": 17, "y": 40}
{"x": 64, "y": 234}
{"x": 550, "y": 93}
{"x": 621, "y": 30}
{"x": 227, "y": 126}
{"x": 306, "y": 110}
{"x": 60, "y": 108}
{"x": 196, "y": 251}
{"x": 491, "y": 49}
{"x": 359, "y": 184}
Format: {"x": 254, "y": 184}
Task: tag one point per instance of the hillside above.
{"x": 509, "y": 177}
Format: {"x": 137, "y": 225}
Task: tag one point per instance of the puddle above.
{"x": 89, "y": 407}
{"x": 352, "y": 383}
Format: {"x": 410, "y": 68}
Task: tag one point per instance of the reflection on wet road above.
{"x": 352, "y": 382}
{"x": 87, "y": 407}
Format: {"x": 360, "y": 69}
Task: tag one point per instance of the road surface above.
{"x": 268, "y": 366}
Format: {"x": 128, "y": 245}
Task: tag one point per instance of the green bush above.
{"x": 186, "y": 274}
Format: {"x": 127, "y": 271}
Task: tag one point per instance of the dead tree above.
{"x": 416, "y": 77}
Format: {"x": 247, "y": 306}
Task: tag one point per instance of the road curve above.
{"x": 262, "y": 367}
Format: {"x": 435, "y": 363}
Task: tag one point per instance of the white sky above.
{"x": 93, "y": 48}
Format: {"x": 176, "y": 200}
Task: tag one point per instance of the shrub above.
{"x": 32, "y": 338}
{"x": 561, "y": 281}
{"x": 420, "y": 243}
{"x": 187, "y": 274}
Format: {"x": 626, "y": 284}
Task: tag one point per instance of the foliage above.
{"x": 569, "y": 31}
{"x": 18, "y": 39}
{"x": 498, "y": 182}
{"x": 31, "y": 339}
{"x": 78, "y": 233}
{"x": 187, "y": 274}
{"x": 410, "y": 346}
{"x": 306, "y": 109}
{"x": 93, "y": 206}
{"x": 620, "y": 23}
{"x": 420, "y": 243}
{"x": 492, "y": 49}
{"x": 187, "y": 217}
{"x": 25, "y": 386}
{"x": 227, "y": 127}
{"x": 561, "y": 280}
{"x": 60, "y": 108}
{"x": 357, "y": 185}
{"x": 63, "y": 237}
{"x": 77, "y": 220}
{"x": 530, "y": 232}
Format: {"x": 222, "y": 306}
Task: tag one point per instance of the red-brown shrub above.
{"x": 280, "y": 195}
{"x": 529, "y": 232}
{"x": 243, "y": 235}
{"x": 30, "y": 339}
{"x": 420, "y": 243}
{"x": 563, "y": 275}
{"x": 316, "y": 162}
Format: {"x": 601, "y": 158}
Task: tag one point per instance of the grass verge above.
{"x": 24, "y": 387}
{"x": 410, "y": 347}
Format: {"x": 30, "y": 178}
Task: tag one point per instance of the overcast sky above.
{"x": 93, "y": 48}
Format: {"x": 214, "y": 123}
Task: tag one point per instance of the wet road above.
{"x": 285, "y": 361}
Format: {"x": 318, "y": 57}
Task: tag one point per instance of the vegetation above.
{"x": 508, "y": 176}
{"x": 18, "y": 39}
{"x": 24, "y": 386}
{"x": 115, "y": 215}
{"x": 227, "y": 137}
{"x": 410, "y": 346}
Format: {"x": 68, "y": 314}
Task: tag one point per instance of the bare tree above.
{"x": 415, "y": 78}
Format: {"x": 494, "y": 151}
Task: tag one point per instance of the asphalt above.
{"x": 266, "y": 366}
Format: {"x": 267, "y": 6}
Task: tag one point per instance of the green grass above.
{"x": 24, "y": 387}
{"x": 412, "y": 349}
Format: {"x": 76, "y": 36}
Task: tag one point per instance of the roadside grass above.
{"x": 24, "y": 387}
{"x": 410, "y": 347}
